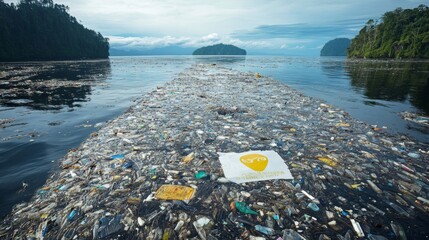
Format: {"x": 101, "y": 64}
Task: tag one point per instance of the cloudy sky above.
{"x": 295, "y": 27}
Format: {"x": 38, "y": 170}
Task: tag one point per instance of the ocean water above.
{"x": 374, "y": 92}
{"x": 48, "y": 108}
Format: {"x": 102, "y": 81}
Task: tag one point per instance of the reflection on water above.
{"x": 227, "y": 59}
{"x": 392, "y": 81}
{"x": 50, "y": 85}
{"x": 333, "y": 67}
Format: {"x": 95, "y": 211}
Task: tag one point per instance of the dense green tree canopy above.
{"x": 336, "y": 47}
{"x": 220, "y": 49}
{"x": 402, "y": 33}
{"x": 42, "y": 30}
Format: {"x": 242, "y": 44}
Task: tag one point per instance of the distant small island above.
{"x": 402, "y": 33}
{"x": 336, "y": 47}
{"x": 220, "y": 49}
{"x": 36, "y": 30}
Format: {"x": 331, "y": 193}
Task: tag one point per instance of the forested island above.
{"x": 220, "y": 49}
{"x": 336, "y": 47}
{"x": 402, "y": 33}
{"x": 41, "y": 30}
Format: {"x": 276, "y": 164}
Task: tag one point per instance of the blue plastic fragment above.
{"x": 117, "y": 156}
{"x": 72, "y": 215}
{"x": 109, "y": 225}
{"x": 104, "y": 221}
{"x": 264, "y": 230}
{"x": 45, "y": 230}
{"x": 64, "y": 187}
{"x": 313, "y": 207}
{"x": 317, "y": 170}
{"x": 128, "y": 164}
{"x": 42, "y": 192}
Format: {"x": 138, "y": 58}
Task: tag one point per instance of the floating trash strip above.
{"x": 155, "y": 172}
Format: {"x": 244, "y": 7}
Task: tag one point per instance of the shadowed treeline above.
{"x": 41, "y": 30}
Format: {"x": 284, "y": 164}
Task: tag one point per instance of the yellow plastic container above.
{"x": 328, "y": 161}
{"x": 175, "y": 192}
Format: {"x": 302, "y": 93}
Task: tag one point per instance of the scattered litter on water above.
{"x": 416, "y": 118}
{"x": 167, "y": 169}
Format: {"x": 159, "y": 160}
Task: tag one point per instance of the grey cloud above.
{"x": 346, "y": 28}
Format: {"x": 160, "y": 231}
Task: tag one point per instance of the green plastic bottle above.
{"x": 200, "y": 174}
{"x": 243, "y": 208}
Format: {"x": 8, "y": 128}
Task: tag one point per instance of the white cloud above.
{"x": 158, "y": 42}
{"x": 249, "y": 43}
{"x": 145, "y": 42}
{"x": 211, "y": 37}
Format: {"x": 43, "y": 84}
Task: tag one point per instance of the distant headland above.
{"x": 34, "y": 30}
{"x": 220, "y": 49}
{"x": 336, "y": 47}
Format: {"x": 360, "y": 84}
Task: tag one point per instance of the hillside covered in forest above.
{"x": 220, "y": 49}
{"x": 402, "y": 33}
{"x": 41, "y": 30}
{"x": 335, "y": 47}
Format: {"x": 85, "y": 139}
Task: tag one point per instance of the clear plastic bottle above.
{"x": 264, "y": 230}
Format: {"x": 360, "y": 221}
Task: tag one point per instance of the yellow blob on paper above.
{"x": 256, "y": 162}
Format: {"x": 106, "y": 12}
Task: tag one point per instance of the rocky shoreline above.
{"x": 347, "y": 175}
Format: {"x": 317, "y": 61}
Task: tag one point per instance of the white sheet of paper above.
{"x": 253, "y": 166}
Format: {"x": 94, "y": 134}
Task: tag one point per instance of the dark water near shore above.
{"x": 54, "y": 106}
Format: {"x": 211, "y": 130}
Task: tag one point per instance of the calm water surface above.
{"x": 371, "y": 91}
{"x": 52, "y": 107}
